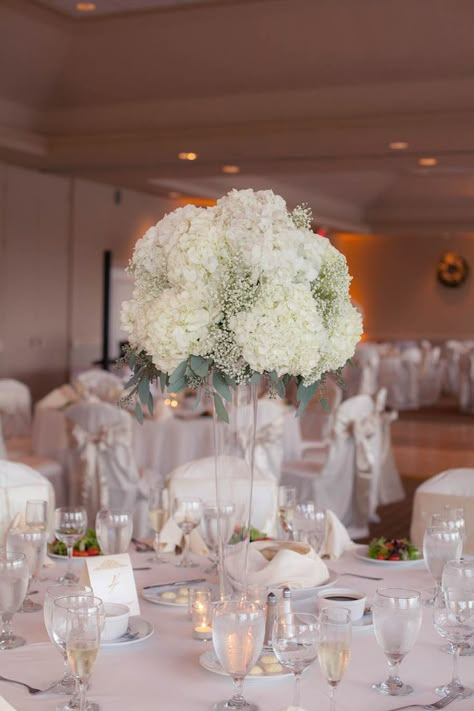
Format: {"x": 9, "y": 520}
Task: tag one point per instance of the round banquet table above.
{"x": 163, "y": 672}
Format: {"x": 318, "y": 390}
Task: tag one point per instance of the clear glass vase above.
{"x": 234, "y": 445}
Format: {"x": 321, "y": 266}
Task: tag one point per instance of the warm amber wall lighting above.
{"x": 427, "y": 162}
{"x": 230, "y": 169}
{"x": 86, "y": 6}
{"x": 398, "y": 145}
{"x": 185, "y": 155}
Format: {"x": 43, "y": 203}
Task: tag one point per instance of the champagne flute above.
{"x": 31, "y": 543}
{"x": 187, "y": 513}
{"x": 70, "y": 525}
{"x": 215, "y": 520}
{"x": 157, "y": 515}
{"x": 453, "y": 618}
{"x": 14, "y": 576}
{"x": 459, "y": 572}
{"x": 286, "y": 508}
{"x": 295, "y": 640}
{"x": 114, "y": 530}
{"x": 82, "y": 646}
{"x": 67, "y": 684}
{"x": 335, "y": 634}
{"x": 440, "y": 544}
{"x": 238, "y": 629}
{"x": 397, "y": 615}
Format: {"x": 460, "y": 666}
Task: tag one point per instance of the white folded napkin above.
{"x": 288, "y": 568}
{"x": 336, "y": 539}
{"x": 171, "y": 536}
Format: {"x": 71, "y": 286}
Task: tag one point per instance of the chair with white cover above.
{"x": 400, "y": 374}
{"x": 431, "y": 376}
{"x": 102, "y": 471}
{"x": 453, "y": 488}
{"x": 18, "y": 484}
{"x": 390, "y": 488}
{"x": 344, "y": 479}
{"x": 317, "y": 422}
{"x": 104, "y": 385}
{"x": 15, "y": 408}
{"x": 466, "y": 382}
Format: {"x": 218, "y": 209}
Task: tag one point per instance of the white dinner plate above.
{"x": 208, "y": 660}
{"x": 156, "y": 595}
{"x": 138, "y": 630}
{"x": 361, "y": 552}
{"x": 74, "y": 557}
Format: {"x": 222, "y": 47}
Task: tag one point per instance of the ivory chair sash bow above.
{"x": 15, "y": 408}
{"x": 390, "y": 488}
{"x": 104, "y": 385}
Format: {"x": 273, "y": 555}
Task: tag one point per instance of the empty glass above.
{"x": 238, "y": 629}
{"x": 114, "y": 530}
{"x": 397, "y": 615}
{"x": 459, "y": 572}
{"x": 309, "y": 525}
{"x": 70, "y": 525}
{"x": 295, "y": 643}
{"x": 440, "y": 544}
{"x": 187, "y": 513}
{"x": 286, "y": 508}
{"x": 31, "y": 543}
{"x": 335, "y": 636}
{"x": 453, "y": 617}
{"x": 212, "y": 525}
{"x": 158, "y": 516}
{"x": 14, "y": 577}
{"x": 67, "y": 684}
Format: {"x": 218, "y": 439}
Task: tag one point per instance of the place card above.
{"x": 111, "y": 578}
{"x": 4, "y": 705}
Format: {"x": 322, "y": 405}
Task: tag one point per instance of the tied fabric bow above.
{"x": 267, "y": 457}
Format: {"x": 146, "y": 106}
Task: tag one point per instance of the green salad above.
{"x": 393, "y": 549}
{"x": 87, "y": 546}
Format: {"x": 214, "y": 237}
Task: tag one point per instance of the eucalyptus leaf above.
{"x": 132, "y": 360}
{"x": 134, "y": 379}
{"x": 163, "y": 381}
{"x": 200, "y": 365}
{"x": 139, "y": 413}
{"x": 177, "y": 386}
{"x": 325, "y": 404}
{"x": 150, "y": 403}
{"x": 219, "y": 406}
{"x": 255, "y": 379}
{"x": 144, "y": 390}
{"x": 221, "y": 386}
{"x": 278, "y": 384}
{"x": 178, "y": 374}
{"x": 198, "y": 400}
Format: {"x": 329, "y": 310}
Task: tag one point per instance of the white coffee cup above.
{"x": 349, "y": 598}
{"x": 116, "y": 621}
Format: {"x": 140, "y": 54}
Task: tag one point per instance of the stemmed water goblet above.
{"x": 67, "y": 684}
{"x": 453, "y": 618}
{"x": 309, "y": 525}
{"x": 187, "y": 513}
{"x": 295, "y": 640}
{"x": 157, "y": 516}
{"x": 286, "y": 508}
{"x": 238, "y": 629}
{"x": 397, "y": 615}
{"x": 31, "y": 543}
{"x": 441, "y": 543}
{"x": 36, "y": 519}
{"x": 459, "y": 572}
{"x": 114, "y": 530}
{"x": 335, "y": 635}
{"x": 70, "y": 525}
{"x": 217, "y": 526}
{"x": 14, "y": 577}
{"x": 91, "y": 608}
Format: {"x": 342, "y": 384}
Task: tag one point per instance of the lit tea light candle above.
{"x": 201, "y": 616}
{"x": 198, "y": 594}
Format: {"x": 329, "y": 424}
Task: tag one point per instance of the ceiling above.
{"x": 113, "y": 7}
{"x": 303, "y": 96}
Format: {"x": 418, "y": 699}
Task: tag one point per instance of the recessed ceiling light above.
{"x": 398, "y": 145}
{"x": 86, "y": 6}
{"x": 185, "y": 155}
{"x": 427, "y": 162}
{"x": 174, "y": 195}
{"x": 232, "y": 169}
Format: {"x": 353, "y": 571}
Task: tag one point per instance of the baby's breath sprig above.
{"x": 302, "y": 216}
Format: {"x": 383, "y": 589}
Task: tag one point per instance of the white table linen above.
{"x": 164, "y": 672}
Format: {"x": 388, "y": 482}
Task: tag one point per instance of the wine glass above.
{"x": 286, "y": 508}
{"x": 309, "y": 525}
{"x": 459, "y": 572}
{"x": 114, "y": 530}
{"x": 187, "y": 513}
{"x": 84, "y": 627}
{"x": 238, "y": 629}
{"x": 36, "y": 519}
{"x": 335, "y": 634}
{"x": 295, "y": 643}
{"x": 67, "y": 684}
{"x": 70, "y": 525}
{"x": 217, "y": 520}
{"x": 453, "y": 617}
{"x": 60, "y": 629}
{"x": 454, "y": 517}
{"x": 158, "y": 516}
{"x": 397, "y": 615}
{"x": 440, "y": 544}
{"x": 31, "y": 543}
{"x": 14, "y": 576}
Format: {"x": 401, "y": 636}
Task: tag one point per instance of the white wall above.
{"x": 53, "y": 232}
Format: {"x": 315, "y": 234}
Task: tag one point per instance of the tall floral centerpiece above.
{"x": 227, "y": 295}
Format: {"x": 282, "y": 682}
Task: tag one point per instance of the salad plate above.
{"x": 138, "y": 630}
{"x": 362, "y": 553}
{"x": 266, "y": 667}
{"x": 87, "y": 547}
{"x": 175, "y": 595}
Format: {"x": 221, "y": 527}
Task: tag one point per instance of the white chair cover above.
{"x": 368, "y": 358}
{"x": 18, "y": 484}
{"x": 466, "y": 382}
{"x": 102, "y": 470}
{"x": 390, "y": 488}
{"x": 453, "y": 350}
{"x": 104, "y": 385}
{"x": 431, "y": 376}
{"x": 15, "y": 408}
{"x": 453, "y": 487}
{"x": 400, "y": 374}
{"x": 316, "y": 423}
{"x": 197, "y": 479}
{"x": 3, "y": 451}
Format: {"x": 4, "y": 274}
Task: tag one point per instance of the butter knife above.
{"x": 176, "y": 583}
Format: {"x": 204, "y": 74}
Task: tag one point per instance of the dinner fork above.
{"x": 437, "y": 705}
{"x": 31, "y": 689}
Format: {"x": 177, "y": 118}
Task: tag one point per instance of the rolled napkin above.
{"x": 171, "y": 536}
{"x": 336, "y": 539}
{"x": 277, "y": 564}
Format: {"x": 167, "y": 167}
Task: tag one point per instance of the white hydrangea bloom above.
{"x": 148, "y": 266}
{"x": 343, "y": 335}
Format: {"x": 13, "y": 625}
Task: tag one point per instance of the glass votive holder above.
{"x": 198, "y": 594}
{"x": 202, "y": 620}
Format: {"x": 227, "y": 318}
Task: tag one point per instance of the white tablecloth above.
{"x": 164, "y": 672}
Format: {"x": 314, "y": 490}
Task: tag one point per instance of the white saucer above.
{"x": 365, "y": 624}
{"x": 208, "y": 661}
{"x": 136, "y": 626}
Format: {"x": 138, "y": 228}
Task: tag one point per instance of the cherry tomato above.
{"x": 394, "y": 557}
{"x": 93, "y": 551}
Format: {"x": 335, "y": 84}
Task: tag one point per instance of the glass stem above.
{"x": 185, "y": 560}
{"x": 394, "y": 672}
{"x": 297, "y": 691}
{"x": 69, "y": 559}
{"x": 455, "y": 681}
{"x": 7, "y": 630}
{"x": 157, "y": 545}
{"x": 237, "y": 700}
{"x": 82, "y": 688}
{"x": 332, "y": 696}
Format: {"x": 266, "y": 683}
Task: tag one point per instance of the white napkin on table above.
{"x": 171, "y": 535}
{"x": 336, "y": 539}
{"x": 288, "y": 568}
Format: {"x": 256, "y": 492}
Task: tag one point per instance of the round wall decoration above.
{"x": 452, "y": 269}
